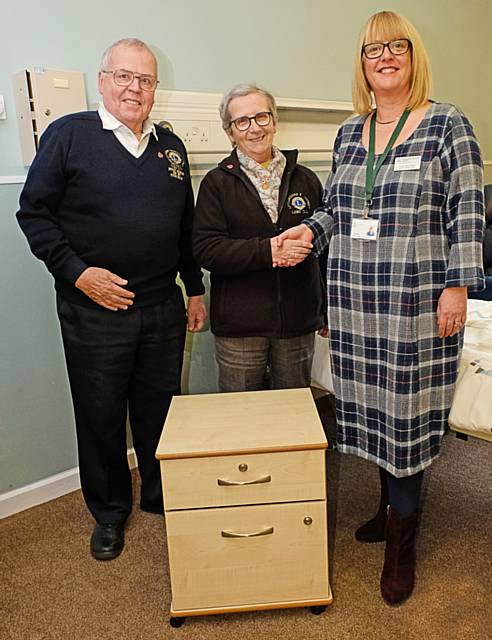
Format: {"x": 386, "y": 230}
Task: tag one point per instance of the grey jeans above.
{"x": 245, "y": 363}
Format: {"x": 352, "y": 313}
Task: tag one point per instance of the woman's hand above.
{"x": 289, "y": 252}
{"x": 290, "y": 245}
{"x": 451, "y": 311}
{"x": 324, "y": 332}
{"x": 301, "y": 232}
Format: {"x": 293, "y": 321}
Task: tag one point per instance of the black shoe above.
{"x": 374, "y": 530}
{"x": 148, "y": 507}
{"x": 107, "y": 541}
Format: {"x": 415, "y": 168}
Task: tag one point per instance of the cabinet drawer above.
{"x": 269, "y": 477}
{"x": 289, "y": 562}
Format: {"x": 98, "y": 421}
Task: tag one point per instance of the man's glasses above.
{"x": 396, "y": 47}
{"x": 124, "y": 78}
{"x": 243, "y": 123}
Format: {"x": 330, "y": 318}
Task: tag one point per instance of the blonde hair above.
{"x": 384, "y": 27}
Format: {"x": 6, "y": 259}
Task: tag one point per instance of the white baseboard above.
{"x": 45, "y": 490}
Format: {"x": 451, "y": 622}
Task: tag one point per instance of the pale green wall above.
{"x": 296, "y": 49}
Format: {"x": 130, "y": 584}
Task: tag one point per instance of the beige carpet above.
{"x": 51, "y": 589}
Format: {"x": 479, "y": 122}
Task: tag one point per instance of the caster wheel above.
{"x": 317, "y": 610}
{"x": 176, "y": 622}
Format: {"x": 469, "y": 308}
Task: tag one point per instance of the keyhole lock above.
{"x": 243, "y": 467}
{"x": 47, "y": 112}
{"x": 307, "y": 520}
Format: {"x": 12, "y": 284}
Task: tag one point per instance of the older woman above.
{"x": 261, "y": 316}
{"x": 404, "y": 210}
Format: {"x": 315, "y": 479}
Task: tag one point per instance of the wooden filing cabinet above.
{"x": 245, "y": 502}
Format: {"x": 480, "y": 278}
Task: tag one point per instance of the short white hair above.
{"x": 124, "y": 42}
{"x": 239, "y": 91}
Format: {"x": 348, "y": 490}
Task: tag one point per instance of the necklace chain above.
{"x": 387, "y": 121}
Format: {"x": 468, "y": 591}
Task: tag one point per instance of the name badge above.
{"x": 365, "y": 229}
{"x": 407, "y": 163}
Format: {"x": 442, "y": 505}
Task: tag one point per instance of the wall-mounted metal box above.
{"x": 42, "y": 95}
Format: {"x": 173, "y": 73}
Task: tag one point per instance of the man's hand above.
{"x": 451, "y": 311}
{"x": 196, "y": 313}
{"x": 105, "y": 288}
{"x": 302, "y": 235}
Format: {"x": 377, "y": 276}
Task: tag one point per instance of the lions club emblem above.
{"x": 176, "y": 164}
{"x": 298, "y": 203}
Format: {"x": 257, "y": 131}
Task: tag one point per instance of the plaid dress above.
{"x": 393, "y": 376}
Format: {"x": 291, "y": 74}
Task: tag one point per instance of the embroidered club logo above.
{"x": 175, "y": 164}
{"x": 174, "y": 157}
{"x": 298, "y": 203}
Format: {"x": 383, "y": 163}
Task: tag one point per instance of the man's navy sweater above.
{"x": 88, "y": 202}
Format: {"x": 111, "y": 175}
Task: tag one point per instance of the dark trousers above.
{"x": 121, "y": 362}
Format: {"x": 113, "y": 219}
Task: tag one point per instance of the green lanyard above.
{"x": 372, "y": 169}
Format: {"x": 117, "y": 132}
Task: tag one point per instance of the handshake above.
{"x": 292, "y": 246}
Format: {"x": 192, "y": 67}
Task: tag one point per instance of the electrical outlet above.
{"x": 195, "y": 134}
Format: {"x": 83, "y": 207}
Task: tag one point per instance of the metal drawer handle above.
{"x": 232, "y": 483}
{"x": 231, "y": 534}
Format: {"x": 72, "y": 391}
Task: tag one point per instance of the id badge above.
{"x": 408, "y": 163}
{"x": 365, "y": 229}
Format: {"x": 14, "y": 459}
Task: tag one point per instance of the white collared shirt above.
{"x": 125, "y": 135}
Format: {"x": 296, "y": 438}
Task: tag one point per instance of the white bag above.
{"x": 321, "y": 368}
{"x": 472, "y": 402}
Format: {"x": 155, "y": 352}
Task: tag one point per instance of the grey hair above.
{"x": 124, "y": 42}
{"x": 239, "y": 91}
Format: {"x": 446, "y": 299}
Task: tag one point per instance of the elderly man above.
{"x": 108, "y": 206}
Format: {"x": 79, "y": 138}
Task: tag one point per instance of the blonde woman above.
{"x": 403, "y": 215}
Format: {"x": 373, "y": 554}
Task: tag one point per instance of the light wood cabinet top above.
{"x": 247, "y": 422}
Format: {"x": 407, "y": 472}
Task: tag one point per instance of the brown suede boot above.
{"x": 375, "y": 529}
{"x": 398, "y": 576}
